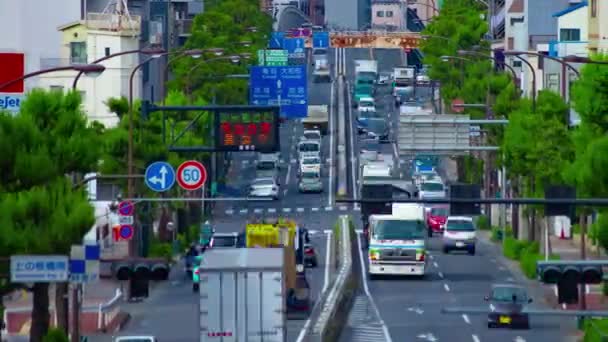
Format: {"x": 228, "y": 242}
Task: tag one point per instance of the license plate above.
{"x": 459, "y": 244}
{"x": 504, "y": 320}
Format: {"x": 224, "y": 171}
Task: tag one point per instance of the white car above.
{"x": 264, "y": 187}
{"x": 423, "y": 79}
{"x": 311, "y": 134}
{"x": 366, "y": 104}
{"x": 432, "y": 190}
{"x": 135, "y": 339}
{"x": 459, "y": 234}
{"x": 309, "y": 148}
{"x": 385, "y": 78}
{"x": 310, "y": 164}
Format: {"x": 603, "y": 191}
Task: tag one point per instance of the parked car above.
{"x": 264, "y": 187}
{"x": 459, "y": 234}
{"x": 507, "y": 303}
{"x": 310, "y": 255}
{"x": 435, "y": 219}
{"x": 224, "y": 240}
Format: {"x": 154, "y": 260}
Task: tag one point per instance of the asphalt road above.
{"x": 410, "y": 309}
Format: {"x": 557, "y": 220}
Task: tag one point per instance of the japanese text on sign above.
{"x": 39, "y": 268}
{"x": 253, "y": 131}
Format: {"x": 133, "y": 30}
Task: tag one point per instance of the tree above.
{"x": 42, "y": 212}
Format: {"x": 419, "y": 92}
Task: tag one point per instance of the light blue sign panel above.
{"x": 11, "y": 102}
{"x": 160, "y": 176}
{"x": 39, "y": 268}
{"x": 295, "y": 50}
{"x": 320, "y": 39}
{"x": 276, "y": 40}
{"x": 284, "y": 86}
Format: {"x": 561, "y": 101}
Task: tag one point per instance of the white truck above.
{"x": 242, "y": 295}
{"x": 321, "y": 65}
{"x": 317, "y": 119}
{"x": 404, "y": 79}
{"x": 397, "y": 242}
{"x": 366, "y": 68}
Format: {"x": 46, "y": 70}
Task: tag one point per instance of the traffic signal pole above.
{"x": 583, "y": 287}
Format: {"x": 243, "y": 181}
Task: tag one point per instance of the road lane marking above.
{"x": 519, "y": 339}
{"x": 446, "y": 287}
{"x": 286, "y": 210}
{"x": 229, "y": 211}
{"x": 343, "y": 208}
{"x": 387, "y": 336}
{"x": 327, "y": 256}
{"x": 314, "y": 209}
{"x": 353, "y": 161}
{"x": 330, "y": 197}
{"x": 475, "y": 338}
{"x": 510, "y": 279}
{"x": 243, "y": 211}
{"x": 327, "y": 231}
{"x": 300, "y": 210}
{"x": 287, "y": 179}
{"x": 466, "y": 318}
{"x": 435, "y": 264}
{"x": 272, "y": 210}
{"x": 329, "y": 208}
{"x": 440, "y": 275}
{"x": 257, "y": 211}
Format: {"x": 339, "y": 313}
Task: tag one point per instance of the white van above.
{"x": 459, "y": 234}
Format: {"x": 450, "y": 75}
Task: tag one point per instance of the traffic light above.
{"x": 468, "y": 191}
{"x": 149, "y": 269}
{"x": 567, "y": 275}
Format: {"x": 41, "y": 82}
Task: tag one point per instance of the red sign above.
{"x": 251, "y": 131}
{"x": 122, "y": 232}
{"x": 457, "y": 105}
{"x": 191, "y": 175}
{"x": 126, "y": 208}
{"x": 12, "y": 67}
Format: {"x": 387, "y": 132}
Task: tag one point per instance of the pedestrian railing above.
{"x": 109, "y": 310}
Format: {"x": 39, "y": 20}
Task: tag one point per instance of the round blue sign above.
{"x": 126, "y": 208}
{"x": 126, "y": 232}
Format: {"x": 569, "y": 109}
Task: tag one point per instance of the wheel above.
{"x": 472, "y": 251}
{"x": 445, "y": 250}
{"x": 430, "y": 233}
{"x": 195, "y": 287}
{"x": 491, "y": 325}
{"x": 313, "y": 264}
{"x": 372, "y": 276}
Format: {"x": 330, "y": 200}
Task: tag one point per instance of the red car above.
{"x": 435, "y": 219}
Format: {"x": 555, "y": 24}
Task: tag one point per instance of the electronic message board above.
{"x": 247, "y": 130}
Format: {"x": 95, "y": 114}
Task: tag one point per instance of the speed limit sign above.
{"x": 191, "y": 175}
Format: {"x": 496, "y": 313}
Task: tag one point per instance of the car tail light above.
{"x": 197, "y": 271}
{"x": 309, "y": 251}
{"x": 432, "y": 220}
{"x": 421, "y": 258}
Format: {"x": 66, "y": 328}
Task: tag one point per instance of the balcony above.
{"x": 568, "y": 48}
{"x": 537, "y": 39}
{"x": 183, "y": 27}
{"x": 114, "y": 22}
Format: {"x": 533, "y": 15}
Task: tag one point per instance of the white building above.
{"x": 572, "y": 32}
{"x": 86, "y": 41}
{"x": 389, "y": 15}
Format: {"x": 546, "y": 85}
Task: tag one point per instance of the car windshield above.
{"x": 363, "y": 88}
{"x": 309, "y": 147}
{"x": 376, "y": 125}
{"x": 135, "y": 339}
{"x": 266, "y": 165}
{"x": 366, "y": 103}
{"x": 310, "y": 174}
{"x": 311, "y": 161}
{"x": 224, "y": 241}
{"x": 370, "y": 114}
{"x": 399, "y": 230}
{"x": 317, "y": 52}
{"x": 509, "y": 294}
{"x": 367, "y": 75}
{"x": 312, "y": 135}
{"x": 442, "y": 212}
{"x": 432, "y": 187}
{"x": 460, "y": 225}
{"x": 263, "y": 182}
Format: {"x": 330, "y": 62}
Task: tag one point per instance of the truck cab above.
{"x": 397, "y": 242}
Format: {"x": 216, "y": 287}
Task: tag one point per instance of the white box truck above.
{"x": 242, "y": 295}
{"x": 317, "y": 119}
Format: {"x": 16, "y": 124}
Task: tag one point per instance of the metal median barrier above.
{"x": 335, "y": 305}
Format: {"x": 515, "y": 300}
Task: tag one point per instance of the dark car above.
{"x": 310, "y": 255}
{"x": 299, "y": 301}
{"x": 507, "y": 303}
{"x": 376, "y": 129}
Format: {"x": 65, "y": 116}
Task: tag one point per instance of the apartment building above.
{"x": 389, "y": 15}
{"x": 598, "y": 26}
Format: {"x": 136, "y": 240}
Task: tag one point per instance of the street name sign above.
{"x": 39, "y": 268}
{"x": 160, "y": 176}
{"x": 273, "y": 57}
{"x": 282, "y": 86}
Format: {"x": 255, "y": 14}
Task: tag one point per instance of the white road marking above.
{"x": 519, "y": 339}
{"x": 466, "y": 318}
{"x": 587, "y": 289}
{"x": 387, "y": 336}
{"x": 343, "y": 208}
{"x": 286, "y": 210}
{"x": 435, "y": 264}
{"x": 243, "y": 211}
{"x": 555, "y": 290}
{"x": 327, "y": 231}
{"x": 285, "y": 192}
{"x": 475, "y": 338}
{"x": 314, "y": 209}
{"x": 330, "y": 197}
{"x": 357, "y": 208}
{"x": 446, "y": 287}
{"x": 272, "y": 210}
{"x": 257, "y": 210}
{"x": 327, "y": 256}
{"x": 300, "y": 210}
{"x": 287, "y": 178}
{"x": 245, "y": 162}
{"x": 353, "y": 165}
{"x": 229, "y": 212}
{"x": 440, "y": 275}
{"x": 359, "y": 231}
{"x": 492, "y": 307}
{"x": 564, "y": 306}
{"x": 510, "y": 279}
{"x": 329, "y": 208}
{"x": 294, "y": 160}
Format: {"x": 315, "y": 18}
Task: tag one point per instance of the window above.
{"x": 389, "y": 14}
{"x": 56, "y": 88}
{"x": 593, "y": 8}
{"x": 107, "y": 51}
{"x": 517, "y": 64}
{"x": 511, "y": 43}
{"x": 569, "y": 35}
{"x": 380, "y": 14}
{"x": 83, "y": 95}
{"x": 78, "y": 53}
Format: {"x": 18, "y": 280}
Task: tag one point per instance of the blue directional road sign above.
{"x": 320, "y": 39}
{"x": 284, "y": 86}
{"x": 160, "y": 176}
{"x": 276, "y": 40}
{"x": 295, "y": 50}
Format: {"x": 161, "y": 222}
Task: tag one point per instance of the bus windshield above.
{"x": 399, "y": 230}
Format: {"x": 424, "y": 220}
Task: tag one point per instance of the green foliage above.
{"x": 55, "y": 335}
{"x": 223, "y": 25}
{"x": 160, "y": 249}
{"x": 595, "y": 330}
{"x": 512, "y": 247}
{"x": 483, "y": 223}
{"x": 602, "y": 230}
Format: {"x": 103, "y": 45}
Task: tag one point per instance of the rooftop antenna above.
{"x": 119, "y": 11}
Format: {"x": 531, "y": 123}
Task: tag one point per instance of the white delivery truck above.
{"x": 321, "y": 65}
{"x": 368, "y": 68}
{"x": 397, "y": 242}
{"x": 404, "y": 79}
{"x": 242, "y": 295}
{"x": 317, "y": 119}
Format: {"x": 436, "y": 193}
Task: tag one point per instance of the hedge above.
{"x": 527, "y": 253}
{"x": 596, "y": 330}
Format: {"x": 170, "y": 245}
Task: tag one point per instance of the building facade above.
{"x": 572, "y": 32}
{"x": 389, "y": 15}
{"x": 424, "y": 9}
{"x": 598, "y": 26}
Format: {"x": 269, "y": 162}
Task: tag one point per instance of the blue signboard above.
{"x": 160, "y": 176}
{"x": 320, "y": 39}
{"x": 284, "y": 86}
{"x": 276, "y": 40}
{"x": 39, "y": 268}
{"x": 295, "y": 50}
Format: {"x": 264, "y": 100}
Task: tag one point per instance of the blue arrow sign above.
{"x": 320, "y": 39}
{"x": 276, "y": 40}
{"x": 284, "y": 86}
{"x": 160, "y": 176}
{"x": 295, "y": 50}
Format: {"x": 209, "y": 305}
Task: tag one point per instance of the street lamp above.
{"x": 582, "y": 60}
{"x": 196, "y": 53}
{"x": 92, "y": 70}
{"x": 232, "y": 58}
{"x": 146, "y": 51}
{"x": 474, "y": 53}
{"x": 517, "y": 55}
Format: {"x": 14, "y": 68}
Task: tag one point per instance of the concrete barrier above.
{"x": 342, "y": 167}
{"x": 336, "y": 304}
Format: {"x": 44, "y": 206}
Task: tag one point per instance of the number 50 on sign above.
{"x": 191, "y": 175}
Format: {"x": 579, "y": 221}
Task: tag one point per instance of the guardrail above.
{"x": 337, "y": 303}
{"x": 107, "y": 312}
{"x": 341, "y": 151}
